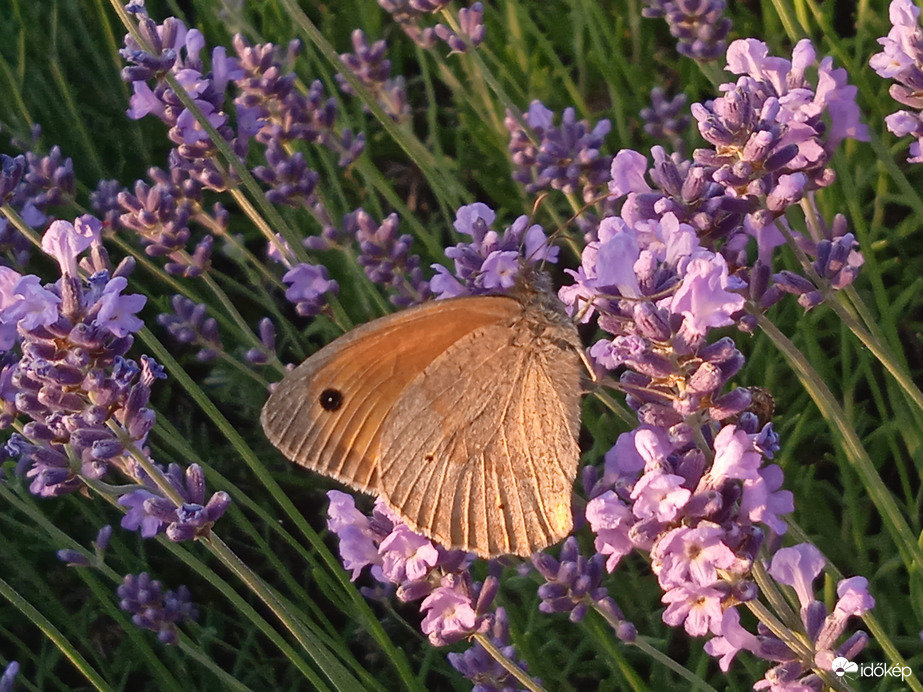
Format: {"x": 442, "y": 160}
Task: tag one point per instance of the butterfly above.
{"x": 462, "y": 414}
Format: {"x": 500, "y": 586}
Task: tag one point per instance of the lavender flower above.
{"x": 408, "y": 13}
{"x": 76, "y": 558}
{"x": 31, "y": 184}
{"x": 87, "y": 402}
{"x": 480, "y": 667}
{"x": 72, "y": 376}
{"x": 152, "y": 513}
{"x": 275, "y": 112}
{"x": 154, "y": 609}
{"x": 450, "y": 613}
{"x": 11, "y": 172}
{"x": 385, "y": 257}
{"x": 772, "y": 147}
{"x": 691, "y": 486}
{"x": 9, "y": 676}
{"x": 171, "y": 47}
{"x": 290, "y": 180}
{"x": 373, "y": 70}
{"x": 471, "y": 30}
{"x": 454, "y": 605}
{"x": 307, "y": 286}
{"x": 104, "y": 201}
{"x": 798, "y": 567}
{"x": 566, "y": 157}
{"x": 189, "y": 325}
{"x": 491, "y": 261}
{"x": 262, "y": 354}
{"x": 662, "y": 119}
{"x": 699, "y": 26}
{"x": 573, "y": 585}
{"x": 160, "y": 215}
{"x": 773, "y": 116}
{"x": 901, "y": 61}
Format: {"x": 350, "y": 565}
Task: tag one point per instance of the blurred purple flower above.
{"x": 385, "y": 257}
{"x": 471, "y": 28}
{"x": 154, "y": 609}
{"x": 190, "y": 325}
{"x": 901, "y": 60}
{"x": 369, "y": 65}
{"x": 662, "y": 119}
{"x": 699, "y": 26}
{"x": 9, "y": 676}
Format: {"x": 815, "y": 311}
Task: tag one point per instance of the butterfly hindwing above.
{"x": 480, "y": 451}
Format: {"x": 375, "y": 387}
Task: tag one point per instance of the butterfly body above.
{"x": 463, "y": 414}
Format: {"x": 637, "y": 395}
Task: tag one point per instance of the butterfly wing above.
{"x": 481, "y": 450}
{"x": 327, "y": 414}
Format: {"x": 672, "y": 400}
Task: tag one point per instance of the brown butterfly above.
{"x": 463, "y": 414}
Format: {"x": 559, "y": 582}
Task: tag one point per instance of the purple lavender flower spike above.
{"x": 699, "y": 26}
{"x": 358, "y": 547}
{"x": 471, "y": 25}
{"x": 482, "y": 668}
{"x": 261, "y": 355}
{"x": 51, "y": 178}
{"x": 455, "y": 606}
{"x": 408, "y": 13}
{"x": 152, "y": 513}
{"x": 385, "y": 257}
{"x": 171, "y": 47}
{"x": 290, "y": 180}
{"x": 573, "y": 583}
{"x": 11, "y": 172}
{"x": 104, "y": 201}
{"x": 30, "y": 184}
{"x": 702, "y": 514}
{"x": 190, "y": 325}
{"x": 568, "y": 157}
{"x": 662, "y": 119}
{"x": 369, "y": 65}
{"x": 900, "y": 60}
{"x": 72, "y": 378}
{"x": 73, "y": 558}
{"x": 272, "y": 111}
{"x": 486, "y": 263}
{"x": 154, "y": 609}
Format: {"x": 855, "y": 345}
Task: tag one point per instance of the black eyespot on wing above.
{"x": 429, "y": 456}
{"x": 331, "y": 399}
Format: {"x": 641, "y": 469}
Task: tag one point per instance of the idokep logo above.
{"x": 843, "y": 667}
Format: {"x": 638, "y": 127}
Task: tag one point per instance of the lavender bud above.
{"x": 73, "y": 558}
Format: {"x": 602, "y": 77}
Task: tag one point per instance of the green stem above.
{"x": 911, "y": 552}
{"x": 54, "y": 634}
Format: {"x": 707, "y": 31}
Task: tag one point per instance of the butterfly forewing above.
{"x": 480, "y": 451}
{"x": 328, "y": 413}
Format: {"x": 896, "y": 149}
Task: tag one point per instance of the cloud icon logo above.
{"x": 842, "y": 666}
